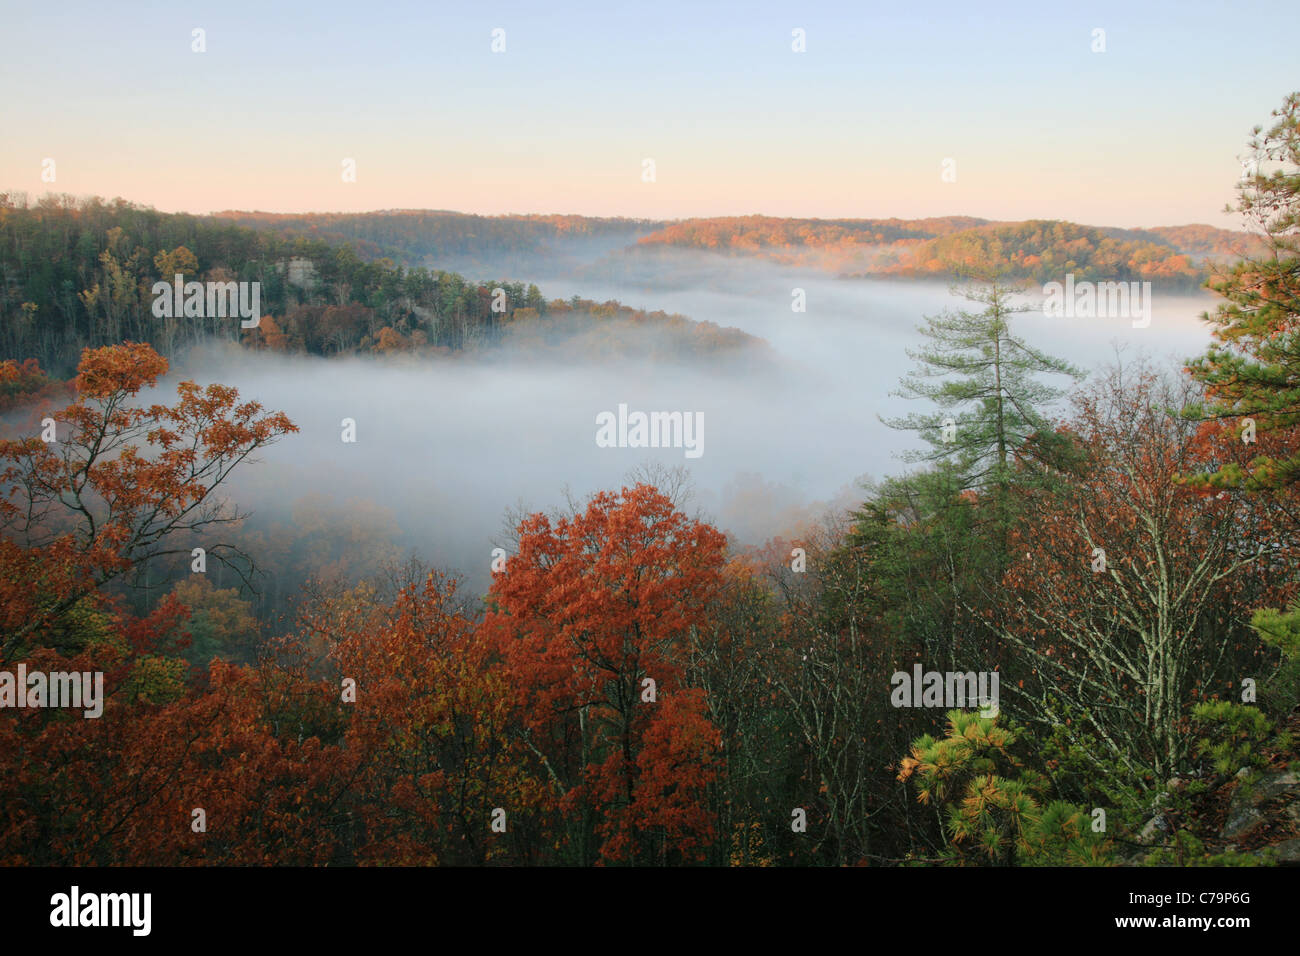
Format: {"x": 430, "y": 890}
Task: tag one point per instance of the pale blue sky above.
{"x": 1145, "y": 133}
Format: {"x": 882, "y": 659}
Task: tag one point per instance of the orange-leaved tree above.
{"x": 104, "y": 489}
{"x": 112, "y": 483}
{"x": 592, "y": 618}
{"x": 426, "y": 721}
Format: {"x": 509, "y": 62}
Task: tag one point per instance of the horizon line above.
{"x": 400, "y": 210}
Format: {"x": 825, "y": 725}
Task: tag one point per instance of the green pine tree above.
{"x": 1253, "y": 368}
{"x": 983, "y": 378}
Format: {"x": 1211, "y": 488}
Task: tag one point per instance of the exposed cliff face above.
{"x": 299, "y": 272}
{"x": 1264, "y": 812}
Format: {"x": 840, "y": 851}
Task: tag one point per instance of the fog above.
{"x": 447, "y": 445}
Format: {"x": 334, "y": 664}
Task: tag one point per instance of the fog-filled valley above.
{"x": 445, "y": 447}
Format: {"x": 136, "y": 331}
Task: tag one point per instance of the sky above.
{"x": 563, "y": 119}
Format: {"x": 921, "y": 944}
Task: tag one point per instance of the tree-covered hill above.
{"x": 1047, "y": 250}
{"x": 1043, "y": 250}
{"x": 78, "y": 273}
{"x": 441, "y": 239}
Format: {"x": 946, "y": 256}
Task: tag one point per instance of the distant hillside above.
{"x": 766, "y": 232}
{"x": 1046, "y": 250}
{"x": 925, "y": 248}
{"x": 454, "y": 240}
{"x": 837, "y": 245}
{"x": 1202, "y": 242}
{"x": 905, "y": 248}
{"x": 78, "y": 273}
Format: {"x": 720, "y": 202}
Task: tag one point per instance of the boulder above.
{"x": 1244, "y": 815}
{"x": 1288, "y": 851}
{"x": 1242, "y": 821}
{"x": 1154, "y": 830}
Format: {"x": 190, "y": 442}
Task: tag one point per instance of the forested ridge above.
{"x": 414, "y": 236}
{"x": 1042, "y": 250}
{"x": 77, "y": 273}
{"x": 940, "y": 246}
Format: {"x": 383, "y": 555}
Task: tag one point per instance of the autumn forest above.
{"x": 1060, "y": 628}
